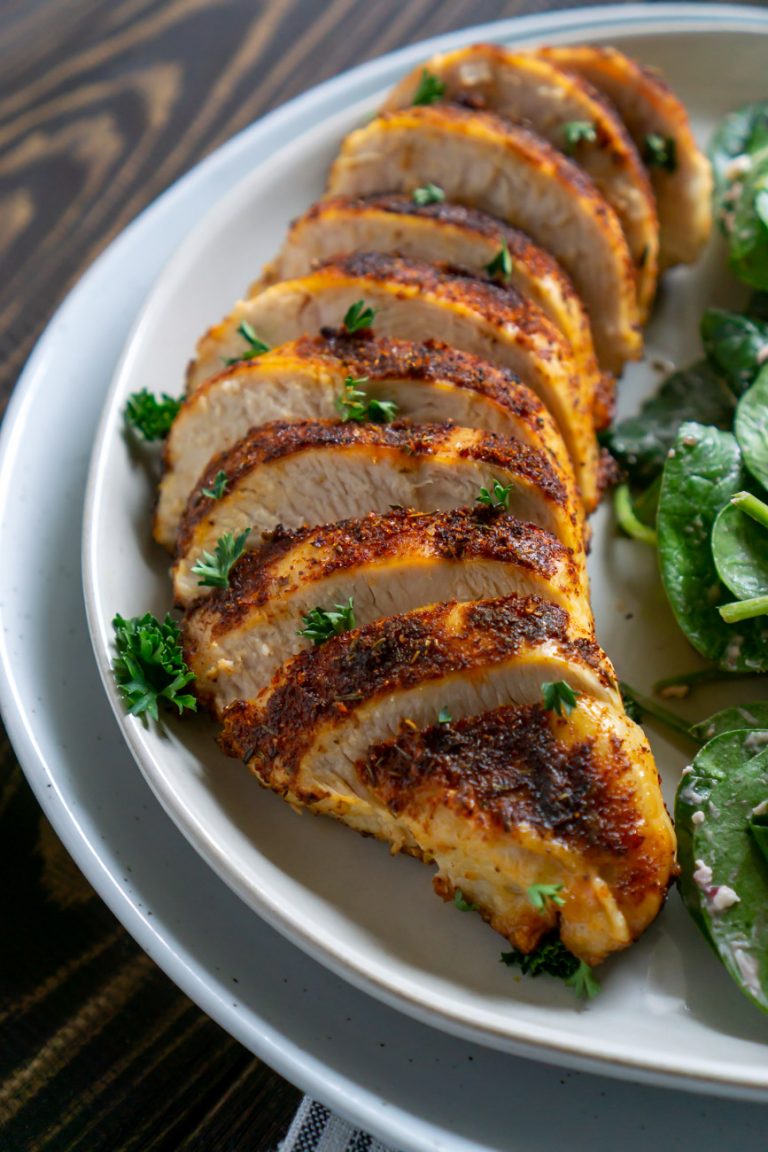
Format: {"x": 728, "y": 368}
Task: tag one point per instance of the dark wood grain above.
{"x": 103, "y": 104}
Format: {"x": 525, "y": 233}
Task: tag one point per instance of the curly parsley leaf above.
{"x": 660, "y": 152}
{"x": 552, "y": 958}
{"x": 428, "y": 194}
{"x": 430, "y": 88}
{"x": 214, "y": 567}
{"x": 353, "y": 404}
{"x": 462, "y": 904}
{"x": 255, "y": 346}
{"x": 149, "y": 416}
{"x": 218, "y": 488}
{"x": 540, "y": 894}
{"x": 558, "y": 697}
{"x": 497, "y": 498}
{"x": 501, "y": 265}
{"x": 578, "y": 132}
{"x": 150, "y": 664}
{"x": 358, "y": 317}
{"x": 320, "y": 624}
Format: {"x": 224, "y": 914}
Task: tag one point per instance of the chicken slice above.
{"x": 302, "y": 380}
{"x": 387, "y": 563}
{"x": 316, "y": 472}
{"x": 683, "y": 187}
{"x": 522, "y": 796}
{"x": 310, "y": 735}
{"x": 536, "y": 93}
{"x": 438, "y": 233}
{"x": 412, "y": 300}
{"x": 485, "y": 162}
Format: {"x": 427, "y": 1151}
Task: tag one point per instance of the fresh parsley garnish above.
{"x": 462, "y": 904}
{"x": 444, "y": 716}
{"x": 218, "y": 488}
{"x": 320, "y": 624}
{"x": 150, "y": 664}
{"x": 353, "y": 404}
{"x": 501, "y": 265}
{"x": 540, "y": 894}
{"x": 660, "y": 152}
{"x": 430, "y": 88}
{"x": 359, "y": 317}
{"x": 558, "y": 696}
{"x": 497, "y": 498}
{"x": 577, "y": 132}
{"x": 428, "y": 194}
{"x": 631, "y": 706}
{"x": 256, "y": 347}
{"x": 552, "y": 958}
{"x": 149, "y": 416}
{"x": 584, "y": 982}
{"x": 214, "y": 567}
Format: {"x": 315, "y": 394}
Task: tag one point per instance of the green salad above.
{"x": 695, "y": 466}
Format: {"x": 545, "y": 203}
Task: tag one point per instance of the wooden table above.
{"x": 102, "y": 106}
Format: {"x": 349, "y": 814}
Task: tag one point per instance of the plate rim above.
{"x": 14, "y": 707}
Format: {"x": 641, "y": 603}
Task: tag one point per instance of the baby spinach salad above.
{"x": 695, "y": 467}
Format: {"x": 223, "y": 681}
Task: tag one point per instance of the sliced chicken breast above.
{"x": 487, "y": 163}
{"x": 438, "y": 233}
{"x": 428, "y": 382}
{"x": 568, "y": 112}
{"x": 316, "y": 472}
{"x": 411, "y": 300}
{"x": 235, "y": 640}
{"x": 522, "y": 796}
{"x": 680, "y": 172}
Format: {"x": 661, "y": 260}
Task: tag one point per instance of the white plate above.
{"x": 372, "y": 919}
{"x": 409, "y": 1084}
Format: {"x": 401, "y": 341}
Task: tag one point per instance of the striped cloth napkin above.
{"x": 315, "y": 1129}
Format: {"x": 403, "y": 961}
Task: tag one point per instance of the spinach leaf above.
{"x": 737, "y": 141}
{"x": 731, "y": 720}
{"x": 724, "y": 876}
{"x": 702, "y": 473}
{"x": 736, "y": 346}
{"x": 740, "y": 552}
{"x": 748, "y": 234}
{"x": 641, "y": 443}
{"x": 751, "y": 428}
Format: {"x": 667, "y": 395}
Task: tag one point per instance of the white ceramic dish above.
{"x": 385, "y": 931}
{"x": 408, "y": 1084}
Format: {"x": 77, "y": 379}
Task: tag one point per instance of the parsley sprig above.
{"x": 462, "y": 903}
{"x": 558, "y": 697}
{"x": 217, "y": 488}
{"x": 150, "y": 664}
{"x": 430, "y": 88}
{"x": 501, "y": 265}
{"x": 428, "y": 194}
{"x": 358, "y": 317}
{"x": 214, "y": 567}
{"x": 255, "y": 346}
{"x": 660, "y": 152}
{"x": 576, "y": 132}
{"x": 497, "y": 498}
{"x": 149, "y": 416}
{"x": 541, "y": 894}
{"x": 552, "y": 958}
{"x": 353, "y": 404}
{"x": 320, "y": 624}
